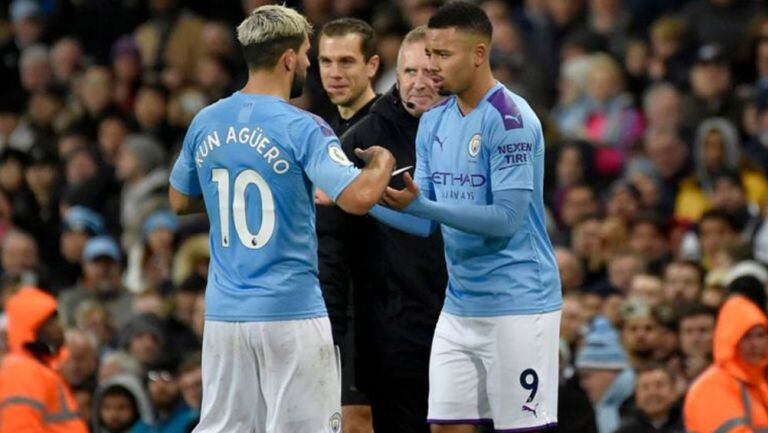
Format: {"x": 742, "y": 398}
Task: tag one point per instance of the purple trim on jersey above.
{"x": 481, "y": 421}
{"x": 510, "y": 114}
{"x": 441, "y": 103}
{"x": 528, "y": 429}
{"x": 324, "y": 127}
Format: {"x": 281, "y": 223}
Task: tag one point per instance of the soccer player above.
{"x": 479, "y": 174}
{"x": 268, "y": 355}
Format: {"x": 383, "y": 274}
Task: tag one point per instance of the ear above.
{"x": 289, "y": 59}
{"x": 373, "y": 65}
{"x": 481, "y": 53}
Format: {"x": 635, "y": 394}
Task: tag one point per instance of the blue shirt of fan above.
{"x": 464, "y": 159}
{"x": 255, "y": 159}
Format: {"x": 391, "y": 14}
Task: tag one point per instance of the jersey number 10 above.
{"x": 244, "y": 179}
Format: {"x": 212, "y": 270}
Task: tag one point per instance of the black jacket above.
{"x": 399, "y": 279}
{"x": 638, "y": 422}
{"x": 332, "y": 264}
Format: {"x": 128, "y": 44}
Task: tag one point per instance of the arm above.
{"x": 404, "y": 222}
{"x": 368, "y": 187}
{"x": 185, "y": 192}
{"x": 499, "y": 219}
{"x": 183, "y": 204}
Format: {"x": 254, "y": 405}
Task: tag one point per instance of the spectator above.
{"x": 696, "y": 328}
{"x": 711, "y": 89}
{"x": 172, "y": 415}
{"x": 647, "y": 288}
{"x": 19, "y": 257}
{"x": 656, "y": 400}
{"x": 118, "y": 363}
{"x": 683, "y": 281}
{"x": 66, "y": 60}
{"x": 191, "y": 381}
{"x": 100, "y": 282}
{"x": 126, "y": 68}
{"x": 150, "y": 262}
{"x": 640, "y": 331}
{"x": 82, "y": 359}
{"x": 151, "y": 114}
{"x": 140, "y": 166}
{"x": 717, "y": 149}
{"x": 95, "y": 96}
{"x": 737, "y": 378}
{"x": 146, "y": 340}
{"x": 571, "y": 270}
{"x": 79, "y": 224}
{"x": 604, "y": 374}
{"x": 648, "y": 238}
{"x": 30, "y": 386}
{"x": 119, "y": 403}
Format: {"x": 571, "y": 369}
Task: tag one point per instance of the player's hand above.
{"x": 375, "y": 155}
{"x": 400, "y": 199}
{"x": 322, "y": 199}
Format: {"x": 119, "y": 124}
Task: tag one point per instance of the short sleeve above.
{"x": 422, "y": 174}
{"x": 511, "y": 155}
{"x": 184, "y": 177}
{"x": 319, "y": 152}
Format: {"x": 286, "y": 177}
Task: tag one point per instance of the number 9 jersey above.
{"x": 255, "y": 159}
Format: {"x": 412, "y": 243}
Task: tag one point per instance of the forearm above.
{"x": 403, "y": 222}
{"x": 500, "y": 219}
{"x": 182, "y": 204}
{"x": 368, "y": 187}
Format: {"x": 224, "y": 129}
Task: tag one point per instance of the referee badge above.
{"x": 474, "y": 145}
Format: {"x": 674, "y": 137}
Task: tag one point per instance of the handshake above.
{"x": 371, "y": 185}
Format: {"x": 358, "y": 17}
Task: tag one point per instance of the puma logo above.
{"x": 532, "y": 410}
{"x": 439, "y": 141}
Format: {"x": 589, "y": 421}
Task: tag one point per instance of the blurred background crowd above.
{"x": 656, "y": 121}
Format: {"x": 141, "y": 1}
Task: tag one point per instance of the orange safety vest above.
{"x": 34, "y": 398}
{"x": 731, "y": 396}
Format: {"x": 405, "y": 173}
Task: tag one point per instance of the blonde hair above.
{"x": 268, "y": 32}
{"x": 271, "y": 23}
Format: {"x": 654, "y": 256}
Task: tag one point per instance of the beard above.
{"x": 444, "y": 92}
{"x": 297, "y": 85}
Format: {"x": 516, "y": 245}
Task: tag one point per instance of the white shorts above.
{"x": 276, "y": 377}
{"x": 495, "y": 370}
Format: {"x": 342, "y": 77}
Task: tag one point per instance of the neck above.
{"x": 471, "y": 96}
{"x": 262, "y": 82}
{"x": 347, "y": 111}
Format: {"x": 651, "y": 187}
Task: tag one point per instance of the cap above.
{"x": 160, "y": 220}
{"x": 101, "y": 246}
{"x": 24, "y": 9}
{"x": 78, "y": 218}
{"x": 602, "y": 348}
{"x": 710, "y": 53}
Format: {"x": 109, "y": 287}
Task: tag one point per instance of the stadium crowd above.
{"x": 656, "y": 121}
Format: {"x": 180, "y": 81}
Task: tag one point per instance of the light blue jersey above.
{"x": 462, "y": 160}
{"x": 255, "y": 158}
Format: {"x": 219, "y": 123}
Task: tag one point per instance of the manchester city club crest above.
{"x": 334, "y": 423}
{"x": 474, "y": 145}
{"x": 338, "y": 156}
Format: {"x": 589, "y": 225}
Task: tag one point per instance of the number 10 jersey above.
{"x": 255, "y": 159}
